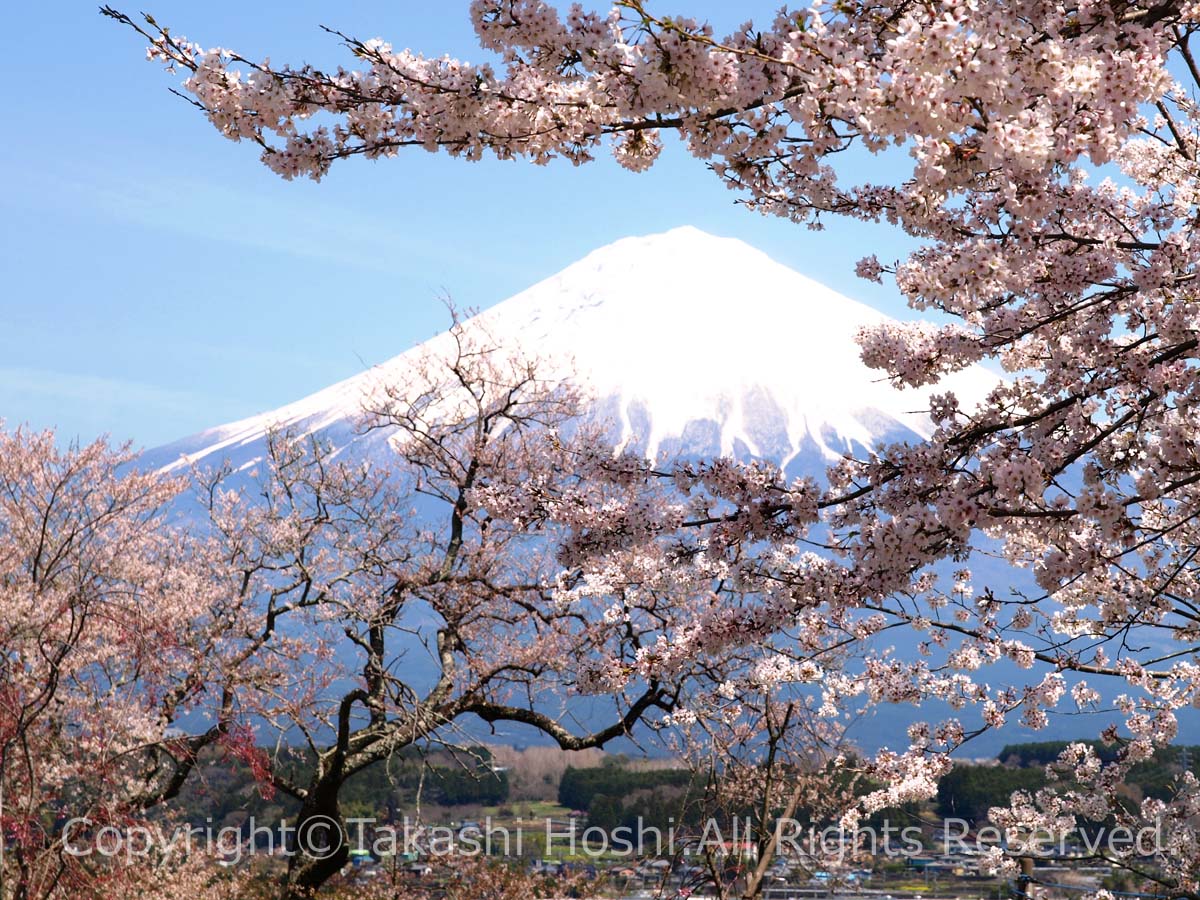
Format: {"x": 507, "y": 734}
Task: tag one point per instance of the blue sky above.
{"x": 158, "y": 280}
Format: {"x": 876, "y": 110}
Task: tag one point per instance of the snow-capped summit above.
{"x": 691, "y": 342}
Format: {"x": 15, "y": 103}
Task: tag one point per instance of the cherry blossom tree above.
{"x": 359, "y": 607}
{"x": 769, "y": 761}
{"x": 1052, "y": 192}
{"x": 413, "y": 592}
{"x": 112, "y": 631}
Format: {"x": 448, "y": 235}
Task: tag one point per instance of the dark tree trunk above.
{"x": 321, "y": 844}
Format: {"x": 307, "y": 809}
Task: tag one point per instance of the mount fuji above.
{"x": 690, "y": 343}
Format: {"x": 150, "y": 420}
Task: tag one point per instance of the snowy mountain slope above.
{"x": 691, "y": 343}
